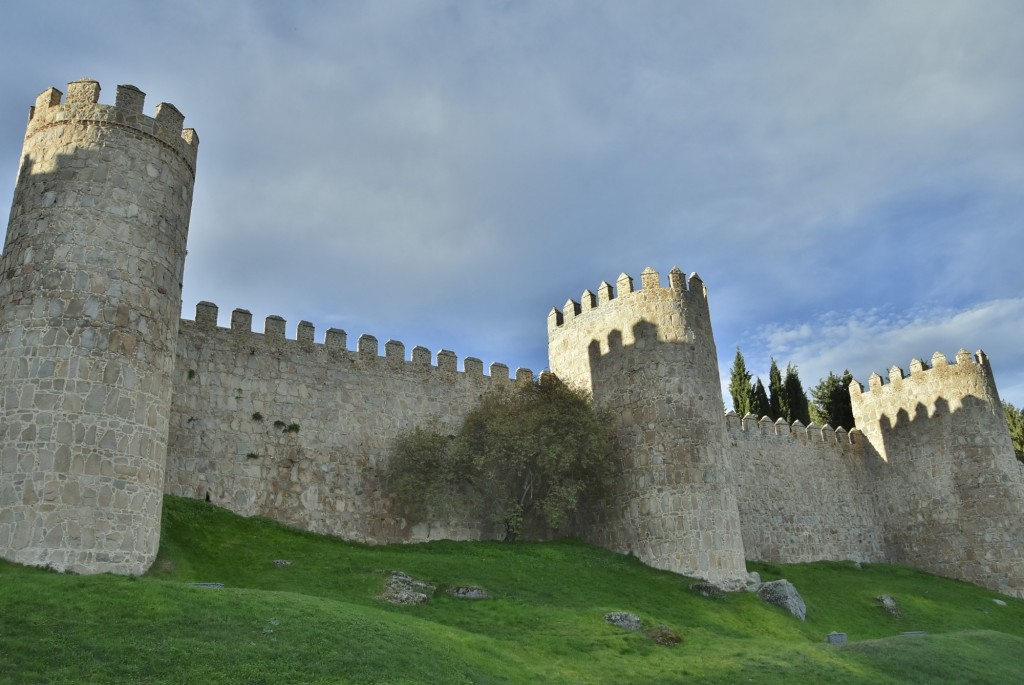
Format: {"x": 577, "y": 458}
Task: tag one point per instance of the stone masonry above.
{"x": 649, "y": 356}
{"x": 300, "y": 431}
{"x": 949, "y": 493}
{"x": 108, "y": 400}
{"x": 90, "y": 292}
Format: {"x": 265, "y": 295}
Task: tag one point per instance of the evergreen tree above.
{"x": 831, "y": 403}
{"x": 1015, "y": 422}
{"x": 761, "y": 404}
{"x": 797, "y": 407}
{"x": 739, "y": 385}
{"x": 775, "y": 392}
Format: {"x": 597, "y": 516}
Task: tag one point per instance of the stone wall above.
{"x": 804, "y": 493}
{"x": 948, "y": 487}
{"x": 649, "y": 356}
{"x": 90, "y": 292}
{"x": 100, "y": 391}
{"x": 299, "y": 431}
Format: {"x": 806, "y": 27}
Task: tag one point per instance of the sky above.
{"x": 847, "y": 178}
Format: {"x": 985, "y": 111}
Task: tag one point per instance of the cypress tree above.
{"x": 761, "y": 404}
{"x": 739, "y": 385}
{"x": 796, "y": 399}
{"x": 775, "y": 393}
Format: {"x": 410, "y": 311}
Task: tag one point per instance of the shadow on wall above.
{"x": 89, "y": 303}
{"x": 950, "y": 490}
{"x": 666, "y": 391}
{"x": 676, "y": 505}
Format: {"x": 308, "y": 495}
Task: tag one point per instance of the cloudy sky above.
{"x": 846, "y": 177}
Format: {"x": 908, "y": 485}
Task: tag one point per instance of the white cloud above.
{"x": 866, "y": 341}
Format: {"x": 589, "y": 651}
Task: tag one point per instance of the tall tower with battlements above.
{"x": 949, "y": 489}
{"x": 90, "y": 295}
{"x": 649, "y": 355}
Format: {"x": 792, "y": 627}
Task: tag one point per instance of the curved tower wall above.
{"x": 90, "y": 293}
{"x": 949, "y": 490}
{"x": 649, "y": 356}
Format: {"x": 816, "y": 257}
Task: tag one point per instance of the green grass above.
{"x": 319, "y": 619}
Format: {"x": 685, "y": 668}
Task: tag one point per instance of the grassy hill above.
{"x": 318, "y": 620}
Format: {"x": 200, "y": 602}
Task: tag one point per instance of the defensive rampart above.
{"x": 107, "y": 400}
{"x": 300, "y": 431}
{"x": 804, "y": 493}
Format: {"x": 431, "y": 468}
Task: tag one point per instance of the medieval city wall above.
{"x": 804, "y": 493}
{"x": 300, "y": 431}
{"x": 949, "y": 490}
{"x": 107, "y": 400}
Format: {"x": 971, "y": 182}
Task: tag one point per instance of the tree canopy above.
{"x": 526, "y": 459}
{"x": 831, "y": 401}
{"x": 1015, "y": 422}
{"x": 785, "y": 397}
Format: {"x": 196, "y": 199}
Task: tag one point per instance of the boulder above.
{"x": 624, "y": 619}
{"x": 401, "y": 588}
{"x": 891, "y": 606}
{"x": 782, "y": 593}
{"x": 468, "y": 592}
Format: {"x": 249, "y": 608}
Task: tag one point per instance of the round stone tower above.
{"x": 90, "y": 297}
{"x": 948, "y": 487}
{"x": 649, "y": 356}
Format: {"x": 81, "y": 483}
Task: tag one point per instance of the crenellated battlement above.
{"x": 681, "y": 288}
{"x": 931, "y": 376}
{"x": 619, "y": 318}
{"x": 812, "y": 433}
{"x": 82, "y": 104}
{"x": 335, "y": 344}
{"x": 932, "y": 389}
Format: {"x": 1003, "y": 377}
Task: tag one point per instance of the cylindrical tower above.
{"x": 649, "y": 356}
{"x": 948, "y": 488}
{"x": 90, "y": 297}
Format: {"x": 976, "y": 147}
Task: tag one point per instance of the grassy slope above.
{"x": 318, "y": 620}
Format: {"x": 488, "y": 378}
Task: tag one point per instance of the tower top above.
{"x": 625, "y": 292}
{"x": 82, "y": 104}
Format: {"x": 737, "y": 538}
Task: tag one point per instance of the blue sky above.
{"x": 847, "y": 178}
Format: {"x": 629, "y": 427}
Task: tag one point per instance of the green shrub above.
{"x": 527, "y": 459}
